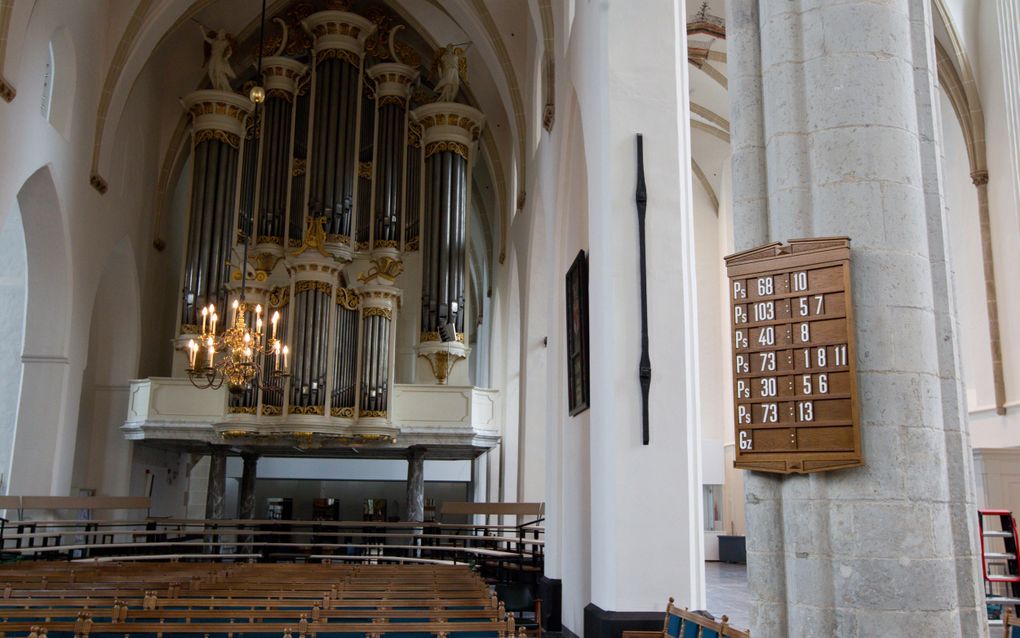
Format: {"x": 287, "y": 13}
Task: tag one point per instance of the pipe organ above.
{"x": 345, "y": 169}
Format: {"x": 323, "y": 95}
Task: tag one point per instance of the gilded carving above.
{"x": 271, "y": 410}
{"x": 299, "y": 166}
{"x": 387, "y": 243}
{"x": 190, "y": 329}
{"x": 392, "y": 99}
{"x": 337, "y": 238}
{"x": 443, "y": 146}
{"x": 315, "y": 236}
{"x": 304, "y": 286}
{"x": 365, "y": 170}
{"x": 241, "y": 409}
{"x": 382, "y": 414}
{"x": 375, "y": 311}
{"x": 269, "y": 239}
{"x": 214, "y": 134}
{"x": 442, "y": 363}
{"x": 307, "y": 409}
{"x": 279, "y": 297}
{"x": 347, "y": 298}
{"x": 431, "y": 335}
{"x": 338, "y": 54}
{"x": 384, "y": 267}
{"x": 344, "y": 413}
{"x": 411, "y": 246}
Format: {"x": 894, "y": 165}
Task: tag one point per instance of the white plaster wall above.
{"x": 12, "y": 321}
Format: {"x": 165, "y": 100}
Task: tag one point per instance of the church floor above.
{"x": 727, "y": 592}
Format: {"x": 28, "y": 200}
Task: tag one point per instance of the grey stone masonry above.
{"x": 835, "y": 132}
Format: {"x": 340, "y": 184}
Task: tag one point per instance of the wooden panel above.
{"x": 10, "y": 502}
{"x": 85, "y": 502}
{"x": 794, "y": 365}
{"x": 497, "y": 509}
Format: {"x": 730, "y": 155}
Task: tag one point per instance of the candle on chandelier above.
{"x": 286, "y": 351}
{"x": 233, "y": 317}
{"x": 276, "y": 320}
{"x": 192, "y": 352}
{"x": 276, "y": 353}
{"x": 212, "y": 355}
{"x": 247, "y": 353}
{"x": 215, "y": 317}
{"x": 258, "y": 323}
{"x": 205, "y": 314}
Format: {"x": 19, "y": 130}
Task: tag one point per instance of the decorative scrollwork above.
{"x": 348, "y": 298}
{"x": 442, "y": 363}
{"x": 411, "y": 246}
{"x": 315, "y": 236}
{"x": 241, "y": 409}
{"x": 384, "y": 267}
{"x": 365, "y": 170}
{"x": 375, "y": 311}
{"x": 306, "y": 285}
{"x": 379, "y": 414}
{"x": 387, "y": 243}
{"x": 207, "y": 134}
{"x": 344, "y": 413}
{"x": 279, "y": 297}
{"x": 444, "y": 146}
{"x": 306, "y": 409}
{"x": 271, "y": 410}
{"x": 338, "y": 54}
{"x": 431, "y": 335}
{"x": 299, "y": 166}
{"x": 337, "y": 238}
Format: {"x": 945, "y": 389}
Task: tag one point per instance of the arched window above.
{"x": 59, "y": 81}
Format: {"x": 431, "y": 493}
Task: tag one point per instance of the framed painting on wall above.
{"x": 577, "y": 335}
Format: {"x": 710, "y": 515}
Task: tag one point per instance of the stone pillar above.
{"x": 246, "y": 498}
{"x": 217, "y": 484}
{"x": 416, "y": 484}
{"x": 836, "y": 133}
{"x": 449, "y": 135}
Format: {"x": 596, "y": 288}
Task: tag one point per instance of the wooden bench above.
{"x": 683, "y": 623}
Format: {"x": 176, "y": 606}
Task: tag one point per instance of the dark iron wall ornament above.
{"x": 645, "y": 369}
{"x": 577, "y": 335}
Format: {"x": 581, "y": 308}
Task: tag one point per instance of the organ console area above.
{"x": 350, "y": 169}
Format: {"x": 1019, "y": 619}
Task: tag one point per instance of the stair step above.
{"x": 1000, "y": 555}
{"x": 998, "y": 534}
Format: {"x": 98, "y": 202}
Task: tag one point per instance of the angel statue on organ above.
{"x": 219, "y": 47}
{"x": 452, "y": 66}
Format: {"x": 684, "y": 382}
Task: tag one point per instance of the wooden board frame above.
{"x": 787, "y": 424}
{"x": 578, "y": 367}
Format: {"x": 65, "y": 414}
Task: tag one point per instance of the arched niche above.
{"x": 13, "y": 283}
{"x": 103, "y": 456}
{"x": 42, "y": 451}
{"x": 62, "y": 81}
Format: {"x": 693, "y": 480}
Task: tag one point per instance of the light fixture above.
{"x": 236, "y": 356}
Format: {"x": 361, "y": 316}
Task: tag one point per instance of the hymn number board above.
{"x": 794, "y": 372}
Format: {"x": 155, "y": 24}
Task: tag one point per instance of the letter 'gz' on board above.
{"x": 794, "y": 370}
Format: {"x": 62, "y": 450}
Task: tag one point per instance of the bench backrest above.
{"x": 1011, "y": 625}
{"x": 683, "y": 623}
{"x": 456, "y": 508}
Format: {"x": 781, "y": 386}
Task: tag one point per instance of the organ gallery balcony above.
{"x": 453, "y": 421}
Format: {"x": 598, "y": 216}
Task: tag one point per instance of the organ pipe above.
{"x": 218, "y": 120}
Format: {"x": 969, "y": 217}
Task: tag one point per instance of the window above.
{"x": 59, "y": 82}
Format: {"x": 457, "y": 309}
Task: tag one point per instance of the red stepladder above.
{"x": 999, "y": 559}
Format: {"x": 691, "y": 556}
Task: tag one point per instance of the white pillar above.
{"x": 844, "y": 128}
{"x": 646, "y": 529}
{"x": 43, "y": 450}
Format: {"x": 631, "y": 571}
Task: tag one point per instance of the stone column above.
{"x": 836, "y": 133}
{"x": 246, "y": 498}
{"x": 416, "y": 484}
{"x": 217, "y": 484}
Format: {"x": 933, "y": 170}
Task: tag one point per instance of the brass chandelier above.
{"x": 244, "y": 345}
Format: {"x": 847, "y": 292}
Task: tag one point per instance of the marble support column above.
{"x": 217, "y": 486}
{"x": 416, "y": 484}
{"x": 246, "y": 497}
{"x": 835, "y": 133}
{"x": 449, "y": 134}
